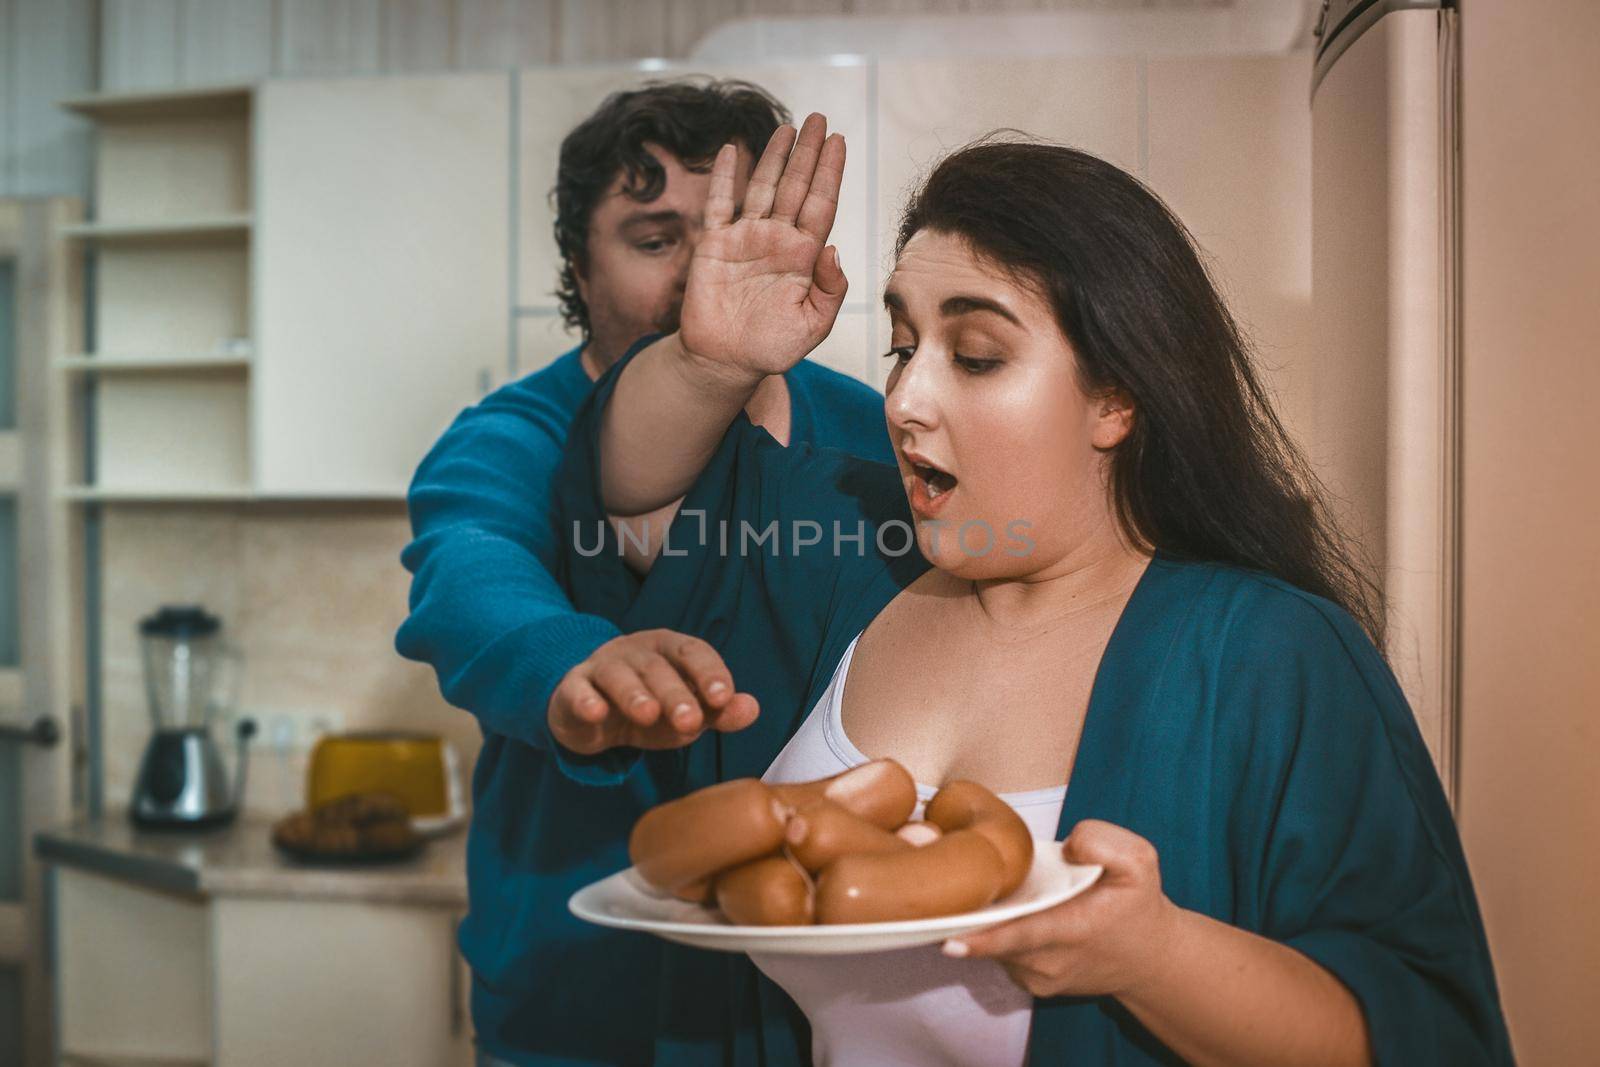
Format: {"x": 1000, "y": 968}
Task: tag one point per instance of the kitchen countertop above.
{"x": 240, "y": 860}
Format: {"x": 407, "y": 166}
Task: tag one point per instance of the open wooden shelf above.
{"x": 211, "y": 101}
{"x": 229, "y": 494}
{"x": 175, "y": 494}
{"x": 167, "y": 229}
{"x": 99, "y": 1059}
{"x": 157, "y": 363}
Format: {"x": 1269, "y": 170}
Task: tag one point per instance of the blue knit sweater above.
{"x": 489, "y": 614}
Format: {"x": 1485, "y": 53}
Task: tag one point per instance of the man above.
{"x": 555, "y": 790}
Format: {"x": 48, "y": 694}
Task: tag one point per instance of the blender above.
{"x": 190, "y": 677}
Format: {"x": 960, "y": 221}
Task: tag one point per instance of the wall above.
{"x": 312, "y": 593}
{"x": 1530, "y": 807}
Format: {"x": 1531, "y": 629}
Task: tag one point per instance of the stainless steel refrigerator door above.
{"x": 1384, "y": 308}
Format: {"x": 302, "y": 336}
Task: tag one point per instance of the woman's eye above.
{"x": 976, "y": 366}
{"x": 899, "y": 355}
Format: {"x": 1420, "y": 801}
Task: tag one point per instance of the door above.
{"x": 39, "y": 316}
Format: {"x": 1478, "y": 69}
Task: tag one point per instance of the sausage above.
{"x": 701, "y": 891}
{"x": 919, "y": 833}
{"x": 771, "y": 891}
{"x": 959, "y": 872}
{"x": 708, "y": 831}
{"x": 822, "y": 831}
{"x": 754, "y": 849}
{"x": 963, "y": 805}
{"x": 881, "y": 792}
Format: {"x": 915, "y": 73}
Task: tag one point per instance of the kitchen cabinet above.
{"x": 298, "y": 282}
{"x": 190, "y": 950}
{"x": 382, "y": 300}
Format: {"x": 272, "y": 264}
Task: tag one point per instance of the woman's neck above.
{"x": 1097, "y": 575}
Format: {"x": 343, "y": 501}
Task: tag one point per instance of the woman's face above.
{"x": 1003, "y": 455}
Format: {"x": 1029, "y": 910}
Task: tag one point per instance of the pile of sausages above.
{"x": 837, "y": 850}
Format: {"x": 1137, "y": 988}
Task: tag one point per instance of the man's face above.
{"x": 639, "y": 256}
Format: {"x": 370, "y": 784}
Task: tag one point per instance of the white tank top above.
{"x": 911, "y": 1007}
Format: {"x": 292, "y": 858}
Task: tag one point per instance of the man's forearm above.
{"x": 663, "y": 423}
{"x": 1231, "y": 998}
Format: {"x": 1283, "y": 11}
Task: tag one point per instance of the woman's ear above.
{"x": 1114, "y": 414}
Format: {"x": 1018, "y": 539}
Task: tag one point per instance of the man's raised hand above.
{"x": 764, "y": 289}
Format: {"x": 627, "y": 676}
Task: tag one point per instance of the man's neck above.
{"x": 594, "y": 364}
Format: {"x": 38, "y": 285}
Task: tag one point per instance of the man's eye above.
{"x": 655, "y": 244}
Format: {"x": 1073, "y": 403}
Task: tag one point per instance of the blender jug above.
{"x": 185, "y": 663}
{"x": 190, "y": 676}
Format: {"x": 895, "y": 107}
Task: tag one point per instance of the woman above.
{"x": 1136, "y": 626}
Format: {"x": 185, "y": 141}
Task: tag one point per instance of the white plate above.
{"x": 625, "y": 901}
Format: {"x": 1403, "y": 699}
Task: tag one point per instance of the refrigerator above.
{"x": 1386, "y": 313}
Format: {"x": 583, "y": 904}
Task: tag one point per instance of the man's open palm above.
{"x": 763, "y": 289}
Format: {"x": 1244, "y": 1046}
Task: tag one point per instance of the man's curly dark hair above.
{"x": 690, "y": 118}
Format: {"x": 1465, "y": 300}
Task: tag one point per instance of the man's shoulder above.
{"x": 549, "y": 396}
{"x": 562, "y": 382}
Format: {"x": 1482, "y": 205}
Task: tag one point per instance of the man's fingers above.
{"x": 740, "y": 712}
{"x": 582, "y": 701}
{"x": 719, "y": 198}
{"x": 626, "y": 690}
{"x": 698, "y": 661}
{"x": 796, "y": 180}
{"x": 822, "y": 196}
{"x": 579, "y": 715}
{"x": 763, "y": 187}
{"x": 679, "y": 708}
{"x": 828, "y": 286}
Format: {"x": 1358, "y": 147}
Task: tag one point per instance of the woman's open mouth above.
{"x": 930, "y": 488}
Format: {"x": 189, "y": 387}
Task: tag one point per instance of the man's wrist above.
{"x": 706, "y": 374}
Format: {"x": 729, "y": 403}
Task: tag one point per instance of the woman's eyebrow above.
{"x": 957, "y": 305}
{"x": 966, "y": 305}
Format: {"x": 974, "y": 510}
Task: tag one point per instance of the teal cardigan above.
{"x": 1249, "y": 730}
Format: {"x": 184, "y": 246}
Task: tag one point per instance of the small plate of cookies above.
{"x": 361, "y": 828}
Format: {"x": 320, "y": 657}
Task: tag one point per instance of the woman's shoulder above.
{"x": 1283, "y": 662}
{"x": 1246, "y": 611}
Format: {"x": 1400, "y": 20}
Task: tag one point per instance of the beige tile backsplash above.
{"x": 311, "y": 593}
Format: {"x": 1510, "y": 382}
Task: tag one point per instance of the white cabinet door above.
{"x": 382, "y": 273}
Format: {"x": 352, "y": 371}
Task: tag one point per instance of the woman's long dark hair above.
{"x": 1208, "y": 471}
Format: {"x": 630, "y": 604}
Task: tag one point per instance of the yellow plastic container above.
{"x": 418, "y": 768}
